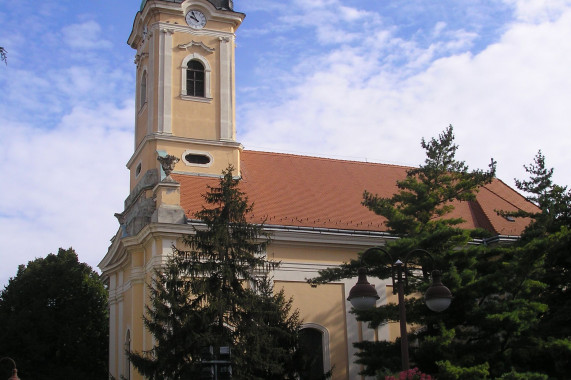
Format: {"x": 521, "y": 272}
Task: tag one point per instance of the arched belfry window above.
{"x": 195, "y": 78}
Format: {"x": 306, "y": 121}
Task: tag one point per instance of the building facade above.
{"x": 185, "y": 107}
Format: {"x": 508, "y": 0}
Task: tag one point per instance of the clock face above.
{"x": 195, "y": 19}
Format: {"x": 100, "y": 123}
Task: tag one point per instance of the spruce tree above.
{"x": 419, "y": 214}
{"x": 216, "y": 292}
{"x": 547, "y": 239}
{"x": 510, "y": 314}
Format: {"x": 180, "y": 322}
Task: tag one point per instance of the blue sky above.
{"x": 350, "y": 79}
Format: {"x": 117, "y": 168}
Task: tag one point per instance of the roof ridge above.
{"x": 327, "y": 159}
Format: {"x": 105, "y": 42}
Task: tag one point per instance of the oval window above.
{"x": 197, "y": 159}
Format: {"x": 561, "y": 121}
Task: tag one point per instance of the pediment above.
{"x": 190, "y": 44}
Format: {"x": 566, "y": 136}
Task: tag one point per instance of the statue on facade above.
{"x": 168, "y": 162}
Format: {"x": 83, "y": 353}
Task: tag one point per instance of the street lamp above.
{"x": 14, "y": 370}
{"x": 363, "y": 295}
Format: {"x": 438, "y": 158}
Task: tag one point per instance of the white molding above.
{"x": 196, "y": 98}
{"x": 182, "y": 140}
{"x": 151, "y": 81}
{"x": 325, "y": 341}
{"x": 113, "y": 339}
{"x": 226, "y": 89}
{"x": 207, "y": 76}
{"x": 190, "y": 44}
{"x": 164, "y": 85}
{"x": 119, "y": 355}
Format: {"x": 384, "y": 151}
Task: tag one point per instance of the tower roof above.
{"x": 219, "y": 4}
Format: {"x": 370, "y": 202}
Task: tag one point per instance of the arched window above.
{"x": 195, "y": 78}
{"x": 314, "y": 346}
{"x": 143, "y": 90}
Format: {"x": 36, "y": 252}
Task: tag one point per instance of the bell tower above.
{"x": 185, "y": 96}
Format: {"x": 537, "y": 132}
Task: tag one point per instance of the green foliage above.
{"x": 216, "y": 293}
{"x": 513, "y": 375}
{"x": 54, "y": 320}
{"x": 503, "y": 295}
{"x": 546, "y": 242}
{"x": 425, "y": 195}
{"x": 553, "y": 200}
{"x": 267, "y": 338}
{"x": 179, "y": 330}
{"x": 378, "y": 357}
{"x": 448, "y": 371}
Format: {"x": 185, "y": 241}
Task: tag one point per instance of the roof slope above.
{"x": 303, "y": 191}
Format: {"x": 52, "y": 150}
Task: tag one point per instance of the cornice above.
{"x": 118, "y": 253}
{"x": 184, "y": 140}
{"x": 177, "y": 9}
{"x": 281, "y": 235}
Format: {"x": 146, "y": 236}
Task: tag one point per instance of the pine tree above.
{"x": 547, "y": 239}
{"x": 490, "y": 310}
{"x": 216, "y": 293}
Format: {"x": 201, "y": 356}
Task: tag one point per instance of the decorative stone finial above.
{"x": 168, "y": 162}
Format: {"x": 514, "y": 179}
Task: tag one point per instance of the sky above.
{"x": 350, "y": 79}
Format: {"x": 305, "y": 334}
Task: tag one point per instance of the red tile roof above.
{"x": 303, "y": 191}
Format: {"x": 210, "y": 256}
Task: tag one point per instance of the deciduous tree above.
{"x": 54, "y": 320}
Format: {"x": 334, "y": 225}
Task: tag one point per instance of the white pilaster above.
{"x": 112, "y": 326}
{"x": 120, "y": 327}
{"x": 150, "y": 83}
{"x": 226, "y": 89}
{"x": 165, "y": 81}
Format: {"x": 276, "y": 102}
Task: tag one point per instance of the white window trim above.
{"x": 207, "y": 74}
{"x": 197, "y": 152}
{"x": 324, "y": 343}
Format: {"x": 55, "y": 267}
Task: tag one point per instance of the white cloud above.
{"x": 376, "y": 100}
{"x": 68, "y": 132}
{"x": 538, "y": 11}
{"x": 63, "y": 185}
{"x": 86, "y": 35}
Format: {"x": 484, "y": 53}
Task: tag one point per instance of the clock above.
{"x": 195, "y": 19}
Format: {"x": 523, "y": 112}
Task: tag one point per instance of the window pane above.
{"x": 195, "y": 79}
{"x": 311, "y": 346}
{"x": 195, "y": 65}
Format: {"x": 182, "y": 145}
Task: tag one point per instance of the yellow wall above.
{"x": 323, "y": 306}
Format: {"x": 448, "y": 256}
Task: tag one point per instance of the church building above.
{"x": 185, "y": 107}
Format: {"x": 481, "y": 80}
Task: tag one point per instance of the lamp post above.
{"x": 14, "y": 369}
{"x": 363, "y": 295}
